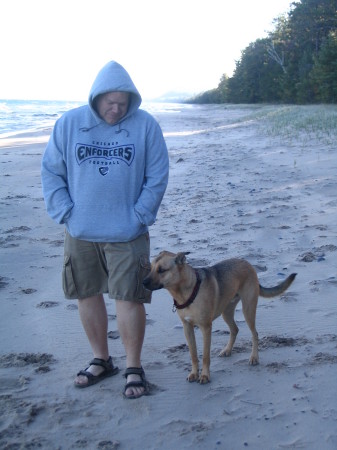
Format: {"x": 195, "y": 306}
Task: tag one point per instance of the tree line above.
{"x": 296, "y": 63}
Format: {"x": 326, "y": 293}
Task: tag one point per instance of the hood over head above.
{"x": 114, "y": 78}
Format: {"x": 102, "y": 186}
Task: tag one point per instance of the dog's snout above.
{"x": 146, "y": 281}
{"x": 150, "y": 283}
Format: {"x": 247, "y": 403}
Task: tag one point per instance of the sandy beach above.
{"x": 235, "y": 190}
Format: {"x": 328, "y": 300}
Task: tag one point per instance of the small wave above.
{"x": 45, "y": 115}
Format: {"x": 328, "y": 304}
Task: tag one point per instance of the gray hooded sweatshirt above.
{"x": 105, "y": 182}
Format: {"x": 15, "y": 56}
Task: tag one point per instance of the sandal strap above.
{"x": 134, "y": 384}
{"x": 137, "y": 383}
{"x": 85, "y": 373}
{"x": 107, "y": 365}
{"x": 135, "y": 371}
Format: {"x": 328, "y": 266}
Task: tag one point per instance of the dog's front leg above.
{"x": 190, "y": 338}
{"x": 205, "y": 376}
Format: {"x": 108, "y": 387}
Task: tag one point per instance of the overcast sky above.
{"x": 53, "y": 49}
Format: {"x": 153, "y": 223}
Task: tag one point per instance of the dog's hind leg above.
{"x": 228, "y": 317}
{"x": 249, "y": 311}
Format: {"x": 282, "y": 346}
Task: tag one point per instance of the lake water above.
{"x": 17, "y": 116}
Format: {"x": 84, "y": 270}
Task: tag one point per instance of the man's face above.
{"x": 112, "y": 106}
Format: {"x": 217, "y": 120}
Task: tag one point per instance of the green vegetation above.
{"x": 296, "y": 63}
{"x": 292, "y": 122}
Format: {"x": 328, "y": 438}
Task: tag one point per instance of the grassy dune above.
{"x": 314, "y": 122}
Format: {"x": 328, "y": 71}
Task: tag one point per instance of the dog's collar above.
{"x": 192, "y": 297}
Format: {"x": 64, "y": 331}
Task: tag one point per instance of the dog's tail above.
{"x": 277, "y": 290}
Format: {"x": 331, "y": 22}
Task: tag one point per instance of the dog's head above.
{"x": 165, "y": 270}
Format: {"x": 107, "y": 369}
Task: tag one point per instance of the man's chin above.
{"x": 111, "y": 120}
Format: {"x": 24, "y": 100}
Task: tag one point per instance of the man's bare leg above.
{"x": 131, "y": 319}
{"x": 94, "y": 319}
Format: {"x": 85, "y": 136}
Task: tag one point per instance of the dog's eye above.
{"x": 161, "y": 270}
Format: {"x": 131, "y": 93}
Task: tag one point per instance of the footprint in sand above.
{"x": 108, "y": 445}
{"x": 176, "y": 349}
{"x": 72, "y": 307}
{"x": 174, "y": 354}
{"x": 13, "y": 197}
{"x": 9, "y": 241}
{"x": 324, "y": 358}
{"x": 48, "y": 304}
{"x": 289, "y": 297}
{"x": 3, "y": 282}
{"x": 57, "y": 243}
{"x": 25, "y": 359}
{"x": 28, "y": 291}
{"x": 280, "y": 341}
{"x": 113, "y": 335}
{"x": 16, "y": 229}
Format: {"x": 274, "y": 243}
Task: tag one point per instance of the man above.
{"x": 104, "y": 174}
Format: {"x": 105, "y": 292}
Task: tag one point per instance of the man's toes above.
{"x": 134, "y": 391}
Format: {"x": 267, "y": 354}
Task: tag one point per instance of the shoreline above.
{"x": 234, "y": 191}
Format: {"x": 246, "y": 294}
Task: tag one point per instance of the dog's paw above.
{"x": 225, "y": 353}
{"x": 192, "y": 377}
{"x": 253, "y": 361}
{"x": 204, "y": 379}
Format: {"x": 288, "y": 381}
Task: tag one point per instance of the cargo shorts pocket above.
{"x": 69, "y": 286}
{"x": 144, "y": 269}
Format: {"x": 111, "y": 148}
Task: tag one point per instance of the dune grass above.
{"x": 310, "y": 122}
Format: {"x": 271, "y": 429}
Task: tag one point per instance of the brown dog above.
{"x": 201, "y": 295}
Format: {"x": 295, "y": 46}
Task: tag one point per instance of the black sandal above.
{"x": 141, "y": 383}
{"x": 109, "y": 371}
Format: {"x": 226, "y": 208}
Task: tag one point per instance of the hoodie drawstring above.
{"x": 86, "y": 129}
{"x": 122, "y": 129}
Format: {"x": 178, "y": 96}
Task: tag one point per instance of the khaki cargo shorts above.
{"x": 117, "y": 269}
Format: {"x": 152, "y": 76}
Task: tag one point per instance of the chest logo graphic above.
{"x": 103, "y": 170}
{"x": 124, "y": 153}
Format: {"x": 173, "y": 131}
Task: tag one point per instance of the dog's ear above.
{"x": 181, "y": 257}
